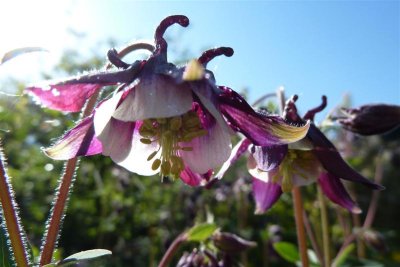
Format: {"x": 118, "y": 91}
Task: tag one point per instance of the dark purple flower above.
{"x": 162, "y": 118}
{"x": 276, "y": 169}
{"x": 371, "y": 119}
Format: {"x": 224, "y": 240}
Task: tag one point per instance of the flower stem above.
{"x": 325, "y": 229}
{"x": 14, "y": 229}
{"x": 298, "y": 215}
{"x": 61, "y": 199}
{"x": 172, "y": 249}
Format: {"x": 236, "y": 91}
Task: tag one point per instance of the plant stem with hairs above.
{"x": 11, "y": 218}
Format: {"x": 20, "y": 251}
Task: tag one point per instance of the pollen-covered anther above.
{"x": 169, "y": 133}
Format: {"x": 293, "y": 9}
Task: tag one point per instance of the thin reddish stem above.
{"x": 298, "y": 215}
{"x": 11, "y": 218}
{"x": 172, "y": 250}
{"x": 62, "y": 195}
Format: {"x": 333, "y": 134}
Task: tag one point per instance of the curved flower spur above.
{"x": 162, "y": 118}
{"x": 277, "y": 168}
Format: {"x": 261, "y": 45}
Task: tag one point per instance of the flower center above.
{"x": 169, "y": 133}
{"x": 296, "y": 163}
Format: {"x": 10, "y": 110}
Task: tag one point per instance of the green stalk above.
{"x": 325, "y": 229}
{"x": 11, "y": 218}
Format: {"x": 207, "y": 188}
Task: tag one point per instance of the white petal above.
{"x": 136, "y": 161}
{"x": 264, "y": 176}
{"x": 155, "y": 97}
{"x": 104, "y": 112}
{"x": 209, "y": 151}
{"x": 116, "y": 139}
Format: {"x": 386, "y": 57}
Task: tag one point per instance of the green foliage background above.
{"x": 137, "y": 217}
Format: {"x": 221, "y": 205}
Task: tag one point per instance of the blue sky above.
{"x": 309, "y": 47}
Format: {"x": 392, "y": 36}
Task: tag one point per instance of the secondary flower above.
{"x": 163, "y": 119}
{"x": 276, "y": 169}
{"x": 371, "y": 119}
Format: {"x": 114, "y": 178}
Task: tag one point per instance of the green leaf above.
{"x": 83, "y": 256}
{"x": 6, "y": 257}
{"x": 340, "y": 259}
{"x": 288, "y": 251}
{"x": 201, "y": 232}
{"x": 19, "y": 51}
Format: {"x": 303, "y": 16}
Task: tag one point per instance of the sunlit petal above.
{"x": 154, "y": 97}
{"x": 79, "y": 141}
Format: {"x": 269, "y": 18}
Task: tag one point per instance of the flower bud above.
{"x": 231, "y": 243}
{"x": 371, "y": 119}
{"x": 375, "y": 240}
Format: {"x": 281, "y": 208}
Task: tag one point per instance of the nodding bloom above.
{"x": 371, "y": 119}
{"x": 163, "y": 119}
{"x": 276, "y": 169}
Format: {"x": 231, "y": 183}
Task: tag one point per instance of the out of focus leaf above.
{"x": 288, "y": 251}
{"x": 19, "y": 51}
{"x": 201, "y": 232}
{"x": 83, "y": 256}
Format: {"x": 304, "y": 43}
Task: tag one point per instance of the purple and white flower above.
{"x": 163, "y": 119}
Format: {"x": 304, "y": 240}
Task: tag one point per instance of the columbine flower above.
{"x": 276, "y": 169}
{"x": 371, "y": 119}
{"x": 162, "y": 118}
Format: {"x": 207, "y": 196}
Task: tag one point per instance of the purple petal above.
{"x": 63, "y": 97}
{"x": 261, "y": 129}
{"x": 335, "y": 191}
{"x": 333, "y": 162}
{"x": 192, "y": 178}
{"x": 265, "y": 194}
{"x": 269, "y": 157}
{"x": 71, "y": 94}
{"x": 79, "y": 141}
{"x": 237, "y": 151}
{"x": 208, "y": 151}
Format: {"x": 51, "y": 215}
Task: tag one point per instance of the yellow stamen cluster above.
{"x": 169, "y": 133}
{"x": 296, "y": 162}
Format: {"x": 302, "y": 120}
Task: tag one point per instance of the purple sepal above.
{"x": 79, "y": 141}
{"x": 70, "y": 95}
{"x": 261, "y": 129}
{"x": 269, "y": 157}
{"x": 265, "y": 194}
{"x": 336, "y": 192}
{"x": 333, "y": 162}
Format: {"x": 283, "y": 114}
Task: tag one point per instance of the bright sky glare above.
{"x": 310, "y": 47}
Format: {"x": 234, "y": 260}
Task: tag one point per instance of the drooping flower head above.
{"x": 277, "y": 168}
{"x": 161, "y": 118}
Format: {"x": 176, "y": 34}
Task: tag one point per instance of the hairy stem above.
{"x": 325, "y": 229}
{"x": 172, "y": 250}
{"x": 14, "y": 229}
{"x": 61, "y": 199}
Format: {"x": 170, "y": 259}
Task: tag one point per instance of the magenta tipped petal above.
{"x": 79, "y": 141}
{"x": 63, "y": 97}
{"x": 335, "y": 191}
{"x": 265, "y": 194}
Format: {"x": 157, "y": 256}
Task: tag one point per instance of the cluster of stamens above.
{"x": 170, "y": 134}
{"x": 295, "y": 162}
